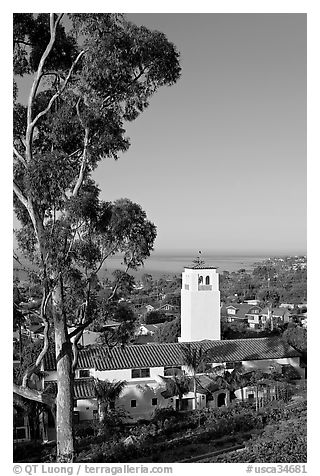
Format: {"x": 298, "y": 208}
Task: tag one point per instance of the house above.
{"x": 247, "y": 313}
{"x": 279, "y": 315}
{"x": 144, "y": 309}
{"x": 168, "y": 308}
{"x": 149, "y": 308}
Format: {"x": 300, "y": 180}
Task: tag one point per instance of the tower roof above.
{"x": 200, "y": 266}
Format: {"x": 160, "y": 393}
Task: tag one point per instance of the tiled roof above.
{"x": 200, "y": 266}
{"x": 160, "y": 355}
{"x": 83, "y": 388}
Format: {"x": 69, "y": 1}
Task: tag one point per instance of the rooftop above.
{"x": 83, "y": 388}
{"x": 200, "y": 266}
{"x": 101, "y": 358}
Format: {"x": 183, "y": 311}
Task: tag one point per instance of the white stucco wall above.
{"x": 85, "y": 408}
{"x": 200, "y": 306}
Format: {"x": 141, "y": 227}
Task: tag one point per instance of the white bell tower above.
{"x": 200, "y": 304}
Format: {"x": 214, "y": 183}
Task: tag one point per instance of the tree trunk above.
{"x": 100, "y": 412}
{"x": 20, "y": 344}
{"x": 257, "y": 398}
{"x": 102, "y": 415}
{"x": 64, "y": 400}
{"x": 195, "y": 391}
{"x": 242, "y": 394}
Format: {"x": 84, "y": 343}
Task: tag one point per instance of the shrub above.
{"x": 282, "y": 442}
{"x": 84, "y": 430}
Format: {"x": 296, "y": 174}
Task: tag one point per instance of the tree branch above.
{"x": 118, "y": 282}
{"x": 35, "y": 395}
{"x": 20, "y": 157}
{"x": 56, "y": 95}
{"x": 45, "y": 348}
{"x": 114, "y": 96}
{"x": 76, "y": 339}
{"x": 83, "y": 164}
{"x": 17, "y": 190}
{"x": 35, "y": 85}
{"x": 113, "y": 250}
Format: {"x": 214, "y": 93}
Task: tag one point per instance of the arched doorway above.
{"x": 221, "y": 400}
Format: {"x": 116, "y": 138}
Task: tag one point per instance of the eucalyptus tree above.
{"x": 90, "y": 73}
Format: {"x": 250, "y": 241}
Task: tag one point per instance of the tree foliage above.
{"x": 297, "y": 338}
{"x": 168, "y": 331}
{"x": 155, "y": 317}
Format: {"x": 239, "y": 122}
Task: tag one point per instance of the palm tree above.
{"x": 177, "y": 386}
{"x": 194, "y": 358}
{"x": 107, "y": 393}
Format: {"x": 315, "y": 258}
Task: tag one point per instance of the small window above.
{"x": 140, "y": 373}
{"x": 172, "y": 370}
{"x": 135, "y": 373}
{"x": 83, "y": 373}
{"x": 145, "y": 372}
{"x": 133, "y": 403}
{"x": 250, "y": 396}
{"x": 200, "y": 280}
{"x": 207, "y": 279}
{"x": 154, "y": 401}
{"x": 233, "y": 365}
{"x": 76, "y": 417}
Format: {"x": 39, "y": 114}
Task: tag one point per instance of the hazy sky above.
{"x": 218, "y": 161}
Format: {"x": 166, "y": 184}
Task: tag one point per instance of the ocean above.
{"x": 159, "y": 264}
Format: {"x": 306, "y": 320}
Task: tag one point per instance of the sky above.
{"x": 218, "y": 160}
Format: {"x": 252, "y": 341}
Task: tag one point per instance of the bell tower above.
{"x": 200, "y": 304}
